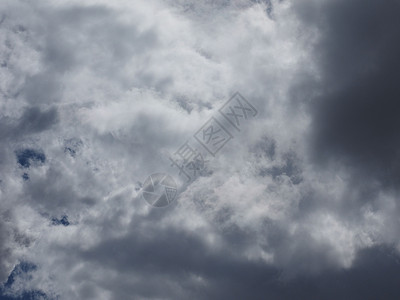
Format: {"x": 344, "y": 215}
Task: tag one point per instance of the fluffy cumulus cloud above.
{"x": 301, "y": 203}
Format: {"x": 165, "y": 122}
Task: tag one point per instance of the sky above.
{"x": 300, "y": 200}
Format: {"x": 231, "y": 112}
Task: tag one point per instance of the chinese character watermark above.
{"x": 160, "y": 189}
{"x": 237, "y": 109}
{"x": 213, "y": 136}
{"x": 188, "y": 160}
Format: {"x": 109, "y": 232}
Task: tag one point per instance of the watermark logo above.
{"x": 190, "y": 159}
{"x": 159, "y": 189}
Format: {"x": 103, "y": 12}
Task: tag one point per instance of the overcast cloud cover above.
{"x": 303, "y": 203}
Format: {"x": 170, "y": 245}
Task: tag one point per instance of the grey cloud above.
{"x": 175, "y": 264}
{"x": 51, "y": 193}
{"x": 356, "y": 118}
{"x": 299, "y": 205}
{"x": 6, "y": 258}
{"x": 33, "y": 120}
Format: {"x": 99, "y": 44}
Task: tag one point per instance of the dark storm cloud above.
{"x": 52, "y": 193}
{"x": 374, "y": 275}
{"x": 356, "y": 120}
{"x": 33, "y": 120}
{"x": 177, "y": 257}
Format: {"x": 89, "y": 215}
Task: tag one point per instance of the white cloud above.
{"x": 129, "y": 82}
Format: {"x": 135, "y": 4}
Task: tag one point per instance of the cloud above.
{"x": 302, "y": 201}
{"x": 356, "y": 115}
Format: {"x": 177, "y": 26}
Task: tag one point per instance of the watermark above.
{"x": 237, "y": 109}
{"x": 160, "y": 189}
{"x": 213, "y": 136}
